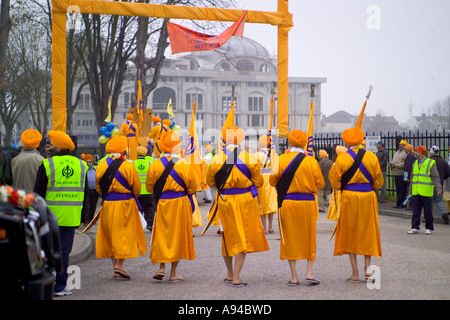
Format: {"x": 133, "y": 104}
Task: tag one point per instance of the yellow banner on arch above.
{"x": 281, "y": 18}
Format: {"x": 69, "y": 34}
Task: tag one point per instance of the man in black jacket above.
{"x": 383, "y": 159}
{"x": 444, "y": 172}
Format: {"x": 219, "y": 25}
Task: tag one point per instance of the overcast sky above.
{"x": 401, "y": 47}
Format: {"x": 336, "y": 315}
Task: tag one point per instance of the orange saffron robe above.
{"x": 298, "y": 218}
{"x": 120, "y": 234}
{"x": 172, "y": 237}
{"x": 130, "y": 130}
{"x": 267, "y": 193}
{"x": 239, "y": 214}
{"x": 357, "y": 229}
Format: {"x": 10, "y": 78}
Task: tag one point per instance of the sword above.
{"x": 93, "y": 221}
{"x": 214, "y": 207}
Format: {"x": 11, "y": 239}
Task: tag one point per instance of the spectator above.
{"x": 407, "y": 169}
{"x": 383, "y": 159}
{"x": 396, "y": 165}
{"x": 424, "y": 180}
{"x": 446, "y": 196}
{"x": 444, "y": 172}
{"x": 324, "y": 194}
{"x": 89, "y": 213}
{"x": 24, "y": 167}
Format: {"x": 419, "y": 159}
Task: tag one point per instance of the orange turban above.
{"x": 170, "y": 142}
{"x": 87, "y": 157}
{"x": 409, "y": 147}
{"x": 422, "y": 150}
{"x": 233, "y": 135}
{"x": 353, "y": 136}
{"x": 130, "y": 116}
{"x": 208, "y": 147}
{"x": 264, "y": 141}
{"x": 141, "y": 151}
{"x": 61, "y": 140}
{"x": 323, "y": 154}
{"x": 340, "y": 150}
{"x": 167, "y": 122}
{"x": 156, "y": 119}
{"x": 297, "y": 138}
{"x": 117, "y": 144}
{"x": 31, "y": 138}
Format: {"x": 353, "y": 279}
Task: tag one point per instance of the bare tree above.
{"x": 5, "y": 26}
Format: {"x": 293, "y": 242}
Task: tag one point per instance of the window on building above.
{"x": 191, "y": 97}
{"x": 226, "y": 102}
{"x": 161, "y": 97}
{"x": 255, "y": 103}
{"x": 85, "y": 101}
{"x": 225, "y": 66}
{"x": 255, "y": 120}
{"x": 245, "y": 65}
{"x": 264, "y": 67}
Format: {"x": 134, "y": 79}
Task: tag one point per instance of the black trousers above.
{"x": 417, "y": 203}
{"x": 400, "y": 186}
{"x": 89, "y": 212}
{"x": 148, "y": 205}
{"x": 66, "y": 234}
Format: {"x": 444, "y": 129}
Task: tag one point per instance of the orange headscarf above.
{"x": 297, "y": 138}
{"x": 422, "y": 150}
{"x": 170, "y": 142}
{"x": 61, "y": 140}
{"x": 31, "y": 138}
{"x": 117, "y": 144}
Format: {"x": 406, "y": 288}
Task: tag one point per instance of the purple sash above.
{"x": 119, "y": 177}
{"x": 176, "y": 194}
{"x": 300, "y": 196}
{"x": 242, "y": 167}
{"x": 360, "y": 187}
{"x": 132, "y": 129}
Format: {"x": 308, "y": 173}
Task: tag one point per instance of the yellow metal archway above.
{"x": 282, "y": 19}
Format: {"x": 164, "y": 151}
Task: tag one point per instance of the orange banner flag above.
{"x": 193, "y": 150}
{"x": 186, "y": 40}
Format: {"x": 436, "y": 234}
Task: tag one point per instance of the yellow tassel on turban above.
{"x": 31, "y": 138}
{"x": 353, "y": 136}
{"x": 117, "y": 144}
{"x": 233, "y": 135}
{"x": 264, "y": 141}
{"x": 170, "y": 142}
{"x": 141, "y": 151}
{"x": 61, "y": 140}
{"x": 323, "y": 154}
{"x": 297, "y": 138}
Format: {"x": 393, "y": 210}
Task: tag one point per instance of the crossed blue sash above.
{"x": 242, "y": 167}
{"x": 132, "y": 129}
{"x": 176, "y": 194}
{"x": 361, "y": 187}
{"x": 297, "y": 196}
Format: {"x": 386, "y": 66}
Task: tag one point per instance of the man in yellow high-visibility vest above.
{"x": 424, "y": 179}
{"x": 146, "y": 199}
{"x": 61, "y": 180}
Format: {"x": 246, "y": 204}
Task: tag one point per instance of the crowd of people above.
{"x": 157, "y": 191}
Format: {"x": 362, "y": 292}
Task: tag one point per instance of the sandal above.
{"x": 240, "y": 284}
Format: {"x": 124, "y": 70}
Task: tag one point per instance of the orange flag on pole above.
{"x": 140, "y": 106}
{"x": 310, "y": 133}
{"x": 192, "y": 152}
{"x": 361, "y": 114}
{"x": 229, "y": 122}
{"x": 186, "y": 40}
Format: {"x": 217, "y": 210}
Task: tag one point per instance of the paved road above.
{"x": 412, "y": 267}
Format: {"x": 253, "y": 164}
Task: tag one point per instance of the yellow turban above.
{"x": 297, "y": 138}
{"x": 208, "y": 147}
{"x": 323, "y": 154}
{"x": 117, "y": 144}
{"x": 31, "y": 138}
{"x": 61, "y": 140}
{"x": 264, "y": 141}
{"x": 130, "y": 116}
{"x": 141, "y": 151}
{"x": 340, "y": 150}
{"x": 353, "y": 136}
{"x": 404, "y": 142}
{"x": 233, "y": 135}
{"x": 167, "y": 122}
{"x": 170, "y": 142}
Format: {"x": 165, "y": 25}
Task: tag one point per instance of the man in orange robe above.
{"x": 172, "y": 238}
{"x": 120, "y": 234}
{"x": 298, "y": 214}
{"x": 357, "y": 229}
{"x": 242, "y": 232}
{"x": 129, "y": 130}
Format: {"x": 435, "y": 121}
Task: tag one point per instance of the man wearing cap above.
{"x": 444, "y": 172}
{"x": 299, "y": 210}
{"x": 172, "y": 238}
{"x": 396, "y": 165}
{"x": 61, "y": 180}
{"x": 142, "y": 165}
{"x": 24, "y": 167}
{"x": 324, "y": 194}
{"x": 130, "y": 130}
{"x": 383, "y": 159}
{"x": 156, "y": 132}
{"x": 424, "y": 181}
{"x": 267, "y": 193}
{"x": 88, "y": 214}
{"x": 120, "y": 234}
{"x": 237, "y": 175}
{"x": 407, "y": 168}
{"x": 357, "y": 229}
